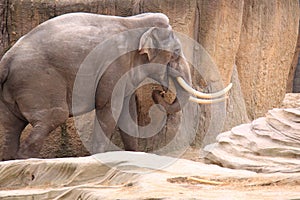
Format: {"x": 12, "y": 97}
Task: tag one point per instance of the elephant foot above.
{"x": 5, "y": 158}
{"x": 26, "y": 155}
{"x": 21, "y": 156}
{"x": 8, "y": 153}
{"x": 28, "y": 151}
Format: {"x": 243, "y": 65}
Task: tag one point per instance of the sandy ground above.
{"x": 249, "y": 184}
{"x": 184, "y": 179}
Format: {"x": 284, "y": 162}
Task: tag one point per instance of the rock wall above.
{"x": 256, "y": 36}
{"x": 4, "y": 42}
{"x": 268, "y": 39}
{"x": 219, "y": 31}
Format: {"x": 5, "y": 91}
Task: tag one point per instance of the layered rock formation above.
{"x": 268, "y": 144}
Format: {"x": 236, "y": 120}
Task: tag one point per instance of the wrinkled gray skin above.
{"x": 37, "y": 75}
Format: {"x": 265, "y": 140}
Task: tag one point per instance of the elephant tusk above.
{"x": 207, "y": 101}
{"x": 201, "y": 94}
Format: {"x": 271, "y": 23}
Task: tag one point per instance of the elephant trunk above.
{"x": 172, "y": 108}
{"x": 184, "y": 91}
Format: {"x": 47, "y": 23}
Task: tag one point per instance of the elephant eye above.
{"x": 176, "y": 54}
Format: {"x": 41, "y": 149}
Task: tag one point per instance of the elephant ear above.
{"x": 146, "y": 45}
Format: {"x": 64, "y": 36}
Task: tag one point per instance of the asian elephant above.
{"x": 37, "y": 75}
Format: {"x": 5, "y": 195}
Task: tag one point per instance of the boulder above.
{"x": 268, "y": 144}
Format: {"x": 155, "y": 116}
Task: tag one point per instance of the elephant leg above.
{"x": 12, "y": 128}
{"x": 130, "y": 142}
{"x": 100, "y": 141}
{"x": 44, "y": 111}
{"x": 47, "y": 121}
{"x": 104, "y": 126}
{"x": 43, "y": 123}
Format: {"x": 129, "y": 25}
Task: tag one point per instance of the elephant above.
{"x": 38, "y": 74}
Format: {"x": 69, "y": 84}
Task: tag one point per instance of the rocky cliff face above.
{"x": 268, "y": 38}
{"x": 256, "y": 36}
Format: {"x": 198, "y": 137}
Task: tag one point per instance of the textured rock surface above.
{"x": 268, "y": 144}
{"x": 125, "y": 175}
{"x": 4, "y": 35}
{"x": 219, "y": 27}
{"x": 236, "y": 109}
{"x": 267, "y": 42}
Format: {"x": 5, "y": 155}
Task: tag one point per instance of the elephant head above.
{"x": 163, "y": 47}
